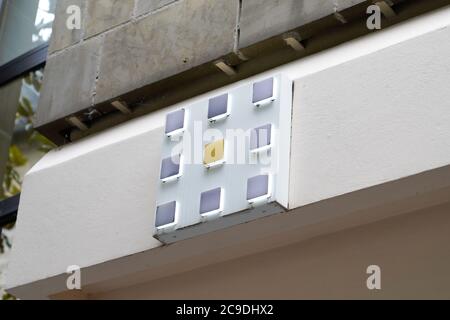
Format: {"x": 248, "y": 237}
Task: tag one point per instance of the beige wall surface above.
{"x": 410, "y": 249}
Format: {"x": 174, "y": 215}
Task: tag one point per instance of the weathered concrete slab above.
{"x": 105, "y": 14}
{"x": 262, "y": 19}
{"x": 165, "y": 43}
{"x": 69, "y": 82}
{"x": 147, "y": 6}
{"x": 152, "y": 47}
{"x": 62, "y": 37}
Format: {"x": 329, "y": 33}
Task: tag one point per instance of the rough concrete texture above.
{"x": 155, "y": 47}
{"x": 146, "y": 6}
{"x": 105, "y": 14}
{"x": 69, "y": 82}
{"x": 146, "y": 42}
{"x": 63, "y": 37}
{"x": 262, "y": 19}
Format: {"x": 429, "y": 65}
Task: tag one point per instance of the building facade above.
{"x": 358, "y": 185}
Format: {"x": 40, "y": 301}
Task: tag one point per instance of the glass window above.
{"x": 24, "y": 25}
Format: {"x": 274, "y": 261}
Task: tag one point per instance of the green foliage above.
{"x": 32, "y": 79}
{"x": 41, "y": 143}
{"x": 7, "y": 296}
{"x": 16, "y": 157}
{"x": 12, "y": 181}
{"x": 25, "y": 109}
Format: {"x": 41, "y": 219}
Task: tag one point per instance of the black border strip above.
{"x": 8, "y": 210}
{"x": 24, "y": 63}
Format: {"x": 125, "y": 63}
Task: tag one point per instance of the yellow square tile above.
{"x": 214, "y": 152}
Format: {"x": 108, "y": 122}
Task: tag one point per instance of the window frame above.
{"x": 29, "y": 61}
{"x": 16, "y": 68}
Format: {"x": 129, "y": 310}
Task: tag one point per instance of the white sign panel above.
{"x": 225, "y": 160}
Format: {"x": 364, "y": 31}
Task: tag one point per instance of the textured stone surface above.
{"x": 62, "y": 37}
{"x": 146, "y": 6}
{"x": 69, "y": 82}
{"x": 105, "y": 14}
{"x": 262, "y": 19}
{"x": 155, "y": 47}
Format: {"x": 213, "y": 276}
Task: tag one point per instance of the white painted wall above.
{"x": 377, "y": 118}
{"x": 93, "y": 201}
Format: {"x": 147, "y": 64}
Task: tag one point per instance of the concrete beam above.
{"x": 122, "y": 107}
{"x": 155, "y": 47}
{"x": 386, "y": 8}
{"x": 262, "y": 19}
{"x": 225, "y": 68}
{"x": 294, "y": 40}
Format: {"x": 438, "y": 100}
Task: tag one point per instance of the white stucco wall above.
{"x": 374, "y": 119}
{"x": 93, "y": 201}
